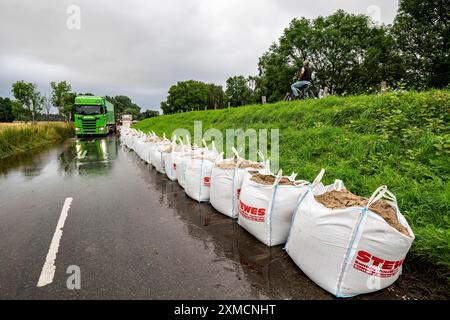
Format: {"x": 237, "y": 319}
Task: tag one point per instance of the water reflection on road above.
{"x": 90, "y": 156}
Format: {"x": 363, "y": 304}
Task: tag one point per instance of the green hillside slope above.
{"x": 399, "y": 139}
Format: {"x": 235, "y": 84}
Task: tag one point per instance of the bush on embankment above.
{"x": 401, "y": 140}
{"x": 25, "y": 137}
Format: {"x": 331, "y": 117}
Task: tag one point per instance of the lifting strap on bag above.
{"x": 261, "y": 155}
{"x": 318, "y": 179}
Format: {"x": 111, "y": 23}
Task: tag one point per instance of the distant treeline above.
{"x": 30, "y": 105}
{"x": 350, "y": 54}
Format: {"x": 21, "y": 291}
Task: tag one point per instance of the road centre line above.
{"x": 48, "y": 270}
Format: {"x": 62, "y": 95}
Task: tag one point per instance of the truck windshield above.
{"x": 88, "y": 110}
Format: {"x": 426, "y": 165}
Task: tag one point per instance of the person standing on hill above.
{"x": 303, "y": 79}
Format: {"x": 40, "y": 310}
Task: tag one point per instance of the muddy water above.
{"x": 135, "y": 234}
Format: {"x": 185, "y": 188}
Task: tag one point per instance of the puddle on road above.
{"x": 87, "y": 156}
{"x": 94, "y": 156}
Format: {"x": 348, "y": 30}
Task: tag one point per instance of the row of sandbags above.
{"x": 190, "y": 165}
{"x": 347, "y": 251}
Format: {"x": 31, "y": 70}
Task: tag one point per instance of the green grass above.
{"x": 399, "y": 139}
{"x": 19, "y": 139}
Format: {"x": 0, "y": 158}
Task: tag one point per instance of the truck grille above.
{"x": 89, "y": 126}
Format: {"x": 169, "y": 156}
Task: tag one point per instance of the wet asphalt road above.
{"x": 134, "y": 235}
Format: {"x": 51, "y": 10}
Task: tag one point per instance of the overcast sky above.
{"x": 139, "y": 48}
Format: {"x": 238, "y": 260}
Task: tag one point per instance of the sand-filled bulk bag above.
{"x": 181, "y": 163}
{"x": 137, "y": 139}
{"x": 198, "y": 178}
{"x": 139, "y": 147}
{"x": 170, "y": 153}
{"x": 128, "y": 140}
{"x": 158, "y": 156}
{"x": 346, "y": 244}
{"x": 134, "y": 138}
{"x": 198, "y": 174}
{"x": 226, "y": 182}
{"x": 266, "y": 206}
{"x": 152, "y": 153}
{"x": 170, "y": 165}
{"x": 148, "y": 144}
{"x": 123, "y": 134}
{"x": 171, "y": 160}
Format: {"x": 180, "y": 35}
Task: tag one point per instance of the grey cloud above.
{"x": 139, "y": 48}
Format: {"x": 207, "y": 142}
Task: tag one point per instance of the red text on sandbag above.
{"x": 370, "y": 264}
{"x": 252, "y": 213}
{"x": 174, "y": 166}
{"x": 207, "y": 181}
{"x": 238, "y": 193}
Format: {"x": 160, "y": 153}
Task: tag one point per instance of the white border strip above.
{"x": 48, "y": 270}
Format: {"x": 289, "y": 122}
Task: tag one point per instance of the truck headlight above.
{"x": 102, "y": 128}
{"x": 77, "y": 129}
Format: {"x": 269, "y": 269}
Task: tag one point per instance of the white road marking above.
{"x": 48, "y": 270}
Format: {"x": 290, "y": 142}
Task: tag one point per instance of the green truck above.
{"x": 93, "y": 116}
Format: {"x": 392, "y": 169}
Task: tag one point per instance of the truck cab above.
{"x": 93, "y": 116}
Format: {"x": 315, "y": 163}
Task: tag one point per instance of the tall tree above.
{"x": 348, "y": 55}
{"x": 422, "y": 33}
{"x": 193, "y": 95}
{"x": 124, "y": 105}
{"x": 47, "y": 103}
{"x": 216, "y": 97}
{"x": 60, "y": 92}
{"x": 238, "y": 92}
{"x": 6, "y": 114}
{"x": 20, "y": 113}
{"x": 68, "y": 107}
{"x": 28, "y": 95}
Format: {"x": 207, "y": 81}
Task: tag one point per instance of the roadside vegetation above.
{"x": 398, "y": 139}
{"x": 19, "y": 138}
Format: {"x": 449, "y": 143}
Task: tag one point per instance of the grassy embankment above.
{"x": 401, "y": 140}
{"x": 19, "y": 138}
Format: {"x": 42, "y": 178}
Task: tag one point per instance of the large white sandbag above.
{"x": 158, "y": 158}
{"x": 152, "y": 153}
{"x": 148, "y": 143}
{"x": 266, "y": 210}
{"x": 226, "y": 182}
{"x": 156, "y": 154}
{"x": 348, "y": 251}
{"x": 142, "y": 144}
{"x": 223, "y": 192}
{"x": 123, "y": 134}
{"x": 135, "y": 138}
{"x": 139, "y": 147}
{"x": 166, "y": 153}
{"x": 181, "y": 163}
{"x": 171, "y": 159}
{"x": 128, "y": 141}
{"x": 198, "y": 174}
{"x": 198, "y": 179}
{"x": 145, "y": 152}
